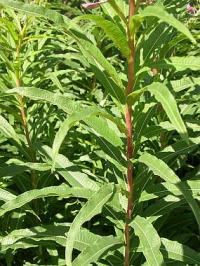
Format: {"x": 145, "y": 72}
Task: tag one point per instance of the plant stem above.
{"x": 22, "y": 108}
{"x": 129, "y": 127}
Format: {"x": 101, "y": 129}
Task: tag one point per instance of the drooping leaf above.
{"x": 149, "y": 240}
{"x": 96, "y": 58}
{"x": 96, "y": 250}
{"x": 64, "y": 103}
{"x": 178, "y": 63}
{"x": 88, "y": 115}
{"x": 7, "y": 130}
{"x": 159, "y": 11}
{"x": 6, "y": 195}
{"x": 163, "y": 95}
{"x": 112, "y": 31}
{"x": 89, "y": 210}
{"x": 62, "y": 191}
{"x": 70, "y": 172}
{"x": 37, "y": 10}
{"x": 167, "y": 188}
{"x": 162, "y": 170}
{"x": 184, "y": 83}
{"x": 179, "y": 252}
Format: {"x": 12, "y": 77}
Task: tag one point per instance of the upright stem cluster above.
{"x": 129, "y": 127}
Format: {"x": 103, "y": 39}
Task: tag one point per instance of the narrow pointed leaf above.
{"x": 164, "y": 96}
{"x": 149, "y": 240}
{"x": 178, "y": 63}
{"x": 112, "y": 31}
{"x": 57, "y": 191}
{"x": 159, "y": 12}
{"x": 7, "y": 130}
{"x": 70, "y": 172}
{"x": 89, "y": 210}
{"x": 96, "y": 250}
{"x": 162, "y": 170}
{"x": 179, "y": 252}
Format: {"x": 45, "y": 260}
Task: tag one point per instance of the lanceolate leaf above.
{"x": 149, "y": 241}
{"x": 95, "y": 57}
{"x": 159, "y": 12}
{"x": 162, "y": 170}
{"x": 37, "y": 10}
{"x": 88, "y": 115}
{"x": 167, "y": 188}
{"x": 47, "y": 234}
{"x": 184, "y": 83}
{"x": 7, "y": 130}
{"x": 96, "y": 250}
{"x": 66, "y": 125}
{"x": 179, "y": 252}
{"x": 178, "y": 63}
{"x": 135, "y": 95}
{"x": 71, "y": 173}
{"x": 62, "y": 191}
{"x": 163, "y": 95}
{"x": 89, "y": 210}
{"x": 112, "y": 31}
{"x": 64, "y": 103}
{"x": 6, "y": 195}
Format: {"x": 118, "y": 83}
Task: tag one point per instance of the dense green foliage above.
{"x": 63, "y": 188}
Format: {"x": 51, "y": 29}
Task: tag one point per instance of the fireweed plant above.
{"x": 99, "y": 133}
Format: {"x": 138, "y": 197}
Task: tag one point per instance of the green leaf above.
{"x": 149, "y": 241}
{"x": 62, "y": 191}
{"x": 167, "y": 188}
{"x": 63, "y": 102}
{"x": 46, "y": 235}
{"x": 6, "y": 195}
{"x": 163, "y": 95}
{"x": 102, "y": 127}
{"x": 159, "y": 12}
{"x": 87, "y": 115}
{"x": 7, "y": 130}
{"x": 15, "y": 167}
{"x": 112, "y": 31}
{"x": 178, "y": 63}
{"x": 135, "y": 95}
{"x": 89, "y": 210}
{"x": 184, "y": 83}
{"x": 96, "y": 58}
{"x": 162, "y": 170}
{"x": 179, "y": 252}
{"x": 96, "y": 250}
{"x": 66, "y": 125}
{"x": 71, "y": 173}
{"x": 31, "y": 166}
{"x": 38, "y": 10}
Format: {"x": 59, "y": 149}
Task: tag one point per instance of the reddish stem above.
{"x": 129, "y": 127}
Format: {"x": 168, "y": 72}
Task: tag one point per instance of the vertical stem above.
{"x": 22, "y": 109}
{"x": 129, "y": 127}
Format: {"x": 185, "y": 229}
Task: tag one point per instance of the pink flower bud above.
{"x": 91, "y": 5}
{"x": 191, "y": 10}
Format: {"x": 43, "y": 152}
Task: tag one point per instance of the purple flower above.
{"x": 191, "y": 10}
{"x": 91, "y": 5}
